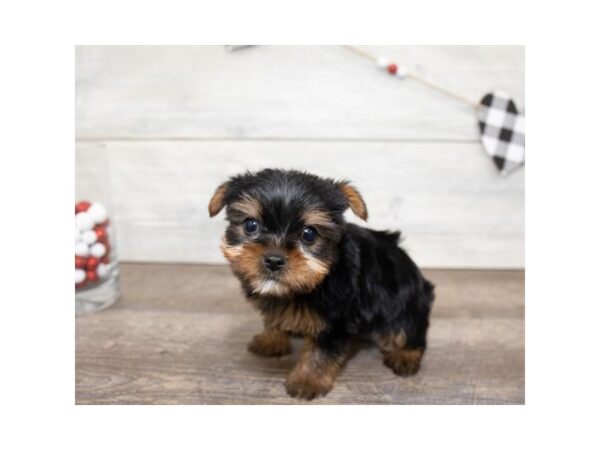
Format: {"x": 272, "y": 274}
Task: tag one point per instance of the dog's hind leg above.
{"x": 400, "y": 353}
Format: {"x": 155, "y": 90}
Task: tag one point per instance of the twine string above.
{"x": 416, "y": 77}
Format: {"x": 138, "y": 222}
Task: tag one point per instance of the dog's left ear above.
{"x": 217, "y": 202}
{"x": 355, "y": 200}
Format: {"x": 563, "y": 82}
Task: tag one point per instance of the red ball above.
{"x": 80, "y": 262}
{"x": 101, "y": 233}
{"x": 91, "y": 276}
{"x": 82, "y": 206}
{"x": 81, "y": 284}
{"x": 392, "y": 68}
{"x": 92, "y": 263}
{"x": 105, "y": 259}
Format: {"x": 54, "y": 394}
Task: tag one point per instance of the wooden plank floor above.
{"x": 179, "y": 334}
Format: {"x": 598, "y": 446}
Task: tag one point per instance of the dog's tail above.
{"x": 392, "y": 237}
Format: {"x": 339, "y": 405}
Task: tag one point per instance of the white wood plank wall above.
{"x": 158, "y": 128}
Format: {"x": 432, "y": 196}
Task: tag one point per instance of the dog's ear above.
{"x": 355, "y": 200}
{"x": 217, "y": 202}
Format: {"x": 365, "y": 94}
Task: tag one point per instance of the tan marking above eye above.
{"x": 317, "y": 217}
{"x": 248, "y": 206}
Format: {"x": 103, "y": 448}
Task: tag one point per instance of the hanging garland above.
{"x": 501, "y": 126}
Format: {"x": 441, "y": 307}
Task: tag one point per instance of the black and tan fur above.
{"x": 344, "y": 282}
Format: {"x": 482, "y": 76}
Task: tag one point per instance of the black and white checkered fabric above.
{"x": 502, "y": 131}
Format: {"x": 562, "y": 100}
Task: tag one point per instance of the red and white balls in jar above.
{"x": 92, "y": 244}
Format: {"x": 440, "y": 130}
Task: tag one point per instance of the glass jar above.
{"x": 96, "y": 265}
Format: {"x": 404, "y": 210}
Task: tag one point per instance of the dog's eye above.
{"x": 309, "y": 234}
{"x": 250, "y": 226}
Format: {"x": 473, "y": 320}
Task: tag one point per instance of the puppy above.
{"x": 311, "y": 274}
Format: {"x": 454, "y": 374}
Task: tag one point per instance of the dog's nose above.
{"x": 274, "y": 262}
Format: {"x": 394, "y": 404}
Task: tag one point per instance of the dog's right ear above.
{"x": 217, "y": 202}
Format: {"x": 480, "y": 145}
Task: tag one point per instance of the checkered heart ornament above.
{"x": 502, "y": 131}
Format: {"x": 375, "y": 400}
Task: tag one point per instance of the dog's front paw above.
{"x": 270, "y": 343}
{"x": 404, "y": 362}
{"x": 307, "y": 385}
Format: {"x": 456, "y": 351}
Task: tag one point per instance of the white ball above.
{"x": 102, "y": 270}
{"x": 98, "y": 250}
{"x": 98, "y": 212}
{"x": 383, "y": 62}
{"x": 402, "y": 72}
{"x": 79, "y": 275}
{"x": 82, "y": 249}
{"x": 78, "y": 237}
{"x": 84, "y": 221}
{"x": 89, "y": 237}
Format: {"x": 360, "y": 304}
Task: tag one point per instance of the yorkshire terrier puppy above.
{"x": 311, "y": 274}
